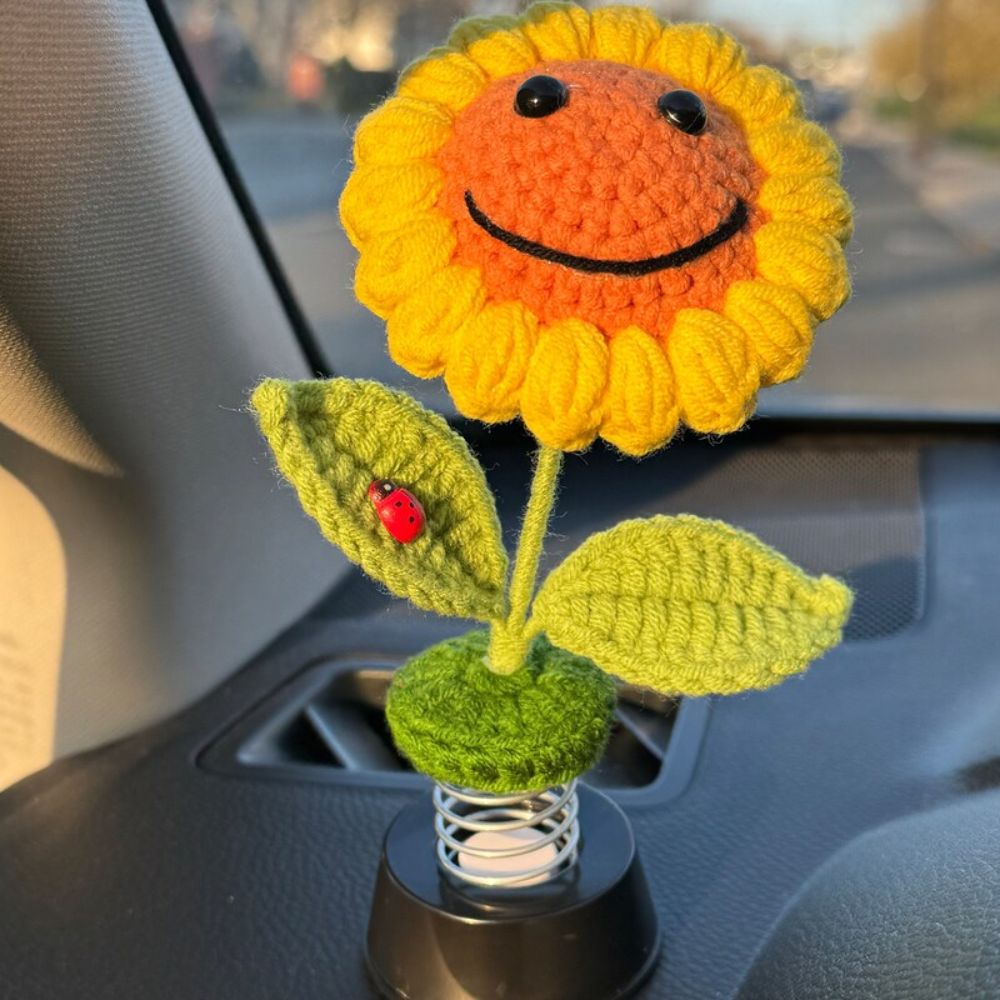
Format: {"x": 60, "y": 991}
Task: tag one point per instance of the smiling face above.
{"x": 603, "y": 223}
{"x": 603, "y": 208}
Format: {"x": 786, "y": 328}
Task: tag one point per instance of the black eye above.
{"x": 684, "y": 111}
{"x": 540, "y": 96}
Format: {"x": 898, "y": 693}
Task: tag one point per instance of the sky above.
{"x": 838, "y": 22}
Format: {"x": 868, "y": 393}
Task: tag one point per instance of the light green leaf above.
{"x": 332, "y": 438}
{"x": 689, "y": 606}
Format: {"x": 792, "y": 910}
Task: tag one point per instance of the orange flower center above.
{"x": 547, "y": 207}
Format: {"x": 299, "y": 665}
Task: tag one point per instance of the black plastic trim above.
{"x": 313, "y": 353}
{"x": 230, "y": 752}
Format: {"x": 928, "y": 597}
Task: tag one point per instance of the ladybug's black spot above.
{"x": 411, "y": 505}
{"x": 412, "y": 518}
{"x": 399, "y": 503}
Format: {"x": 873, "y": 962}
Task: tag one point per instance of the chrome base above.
{"x": 462, "y": 813}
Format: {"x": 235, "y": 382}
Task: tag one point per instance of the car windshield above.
{"x": 910, "y": 89}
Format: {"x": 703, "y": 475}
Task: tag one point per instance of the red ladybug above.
{"x": 398, "y": 509}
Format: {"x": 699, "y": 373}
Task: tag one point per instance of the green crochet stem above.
{"x": 510, "y": 638}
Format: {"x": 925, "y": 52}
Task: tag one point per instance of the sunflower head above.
{"x": 605, "y": 223}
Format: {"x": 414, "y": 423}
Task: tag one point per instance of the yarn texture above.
{"x": 332, "y": 438}
{"x": 625, "y": 261}
{"x": 459, "y": 722}
{"x": 597, "y": 271}
{"x": 510, "y": 639}
{"x": 690, "y": 606}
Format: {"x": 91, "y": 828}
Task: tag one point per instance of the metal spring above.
{"x": 462, "y": 812}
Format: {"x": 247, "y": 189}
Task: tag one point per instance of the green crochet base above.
{"x": 460, "y": 723}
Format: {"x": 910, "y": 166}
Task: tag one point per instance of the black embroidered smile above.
{"x": 731, "y": 225}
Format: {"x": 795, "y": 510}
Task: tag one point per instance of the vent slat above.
{"x": 647, "y": 727}
{"x": 351, "y": 738}
{"x": 330, "y": 725}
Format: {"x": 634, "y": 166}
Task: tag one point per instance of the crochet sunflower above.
{"x": 609, "y": 226}
{"x": 604, "y": 223}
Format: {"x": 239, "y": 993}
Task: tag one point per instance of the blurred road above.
{"x": 921, "y": 335}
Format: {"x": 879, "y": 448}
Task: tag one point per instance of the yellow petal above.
{"x": 623, "y": 34}
{"x": 394, "y": 264}
{"x": 800, "y": 198}
{"x": 800, "y": 256}
{"x": 641, "y": 409}
{"x": 696, "y": 55}
{"x": 561, "y": 398}
{"x": 777, "y": 323}
{"x": 422, "y": 327}
{"x": 489, "y": 360}
{"x": 557, "y": 30}
{"x": 760, "y": 96}
{"x": 444, "y": 77}
{"x": 717, "y": 375}
{"x": 495, "y": 44}
{"x": 400, "y": 131}
{"x": 795, "y": 147}
{"x": 379, "y": 199}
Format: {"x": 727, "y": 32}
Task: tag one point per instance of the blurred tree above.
{"x": 222, "y": 60}
{"x": 355, "y": 91}
{"x": 280, "y": 30}
{"x": 941, "y": 60}
{"x": 422, "y": 24}
{"x": 369, "y": 36}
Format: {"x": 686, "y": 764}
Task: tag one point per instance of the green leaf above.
{"x": 689, "y": 606}
{"x": 332, "y": 438}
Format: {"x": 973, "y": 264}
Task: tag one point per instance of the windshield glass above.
{"x": 910, "y": 88}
